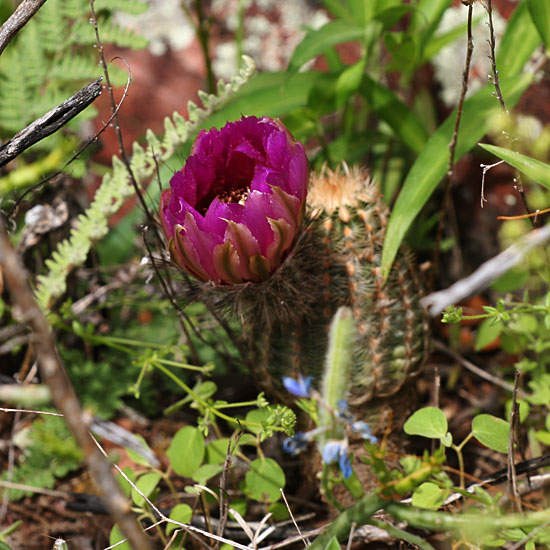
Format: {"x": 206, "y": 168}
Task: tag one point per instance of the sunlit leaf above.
{"x": 540, "y": 14}
{"x": 535, "y": 169}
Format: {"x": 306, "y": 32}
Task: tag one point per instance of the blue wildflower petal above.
{"x": 295, "y": 445}
{"x": 331, "y": 451}
{"x": 345, "y": 466}
{"x": 300, "y": 387}
{"x": 364, "y": 430}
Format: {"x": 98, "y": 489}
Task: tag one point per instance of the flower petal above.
{"x": 226, "y": 262}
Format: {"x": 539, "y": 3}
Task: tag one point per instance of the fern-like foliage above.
{"x": 54, "y": 55}
{"x": 116, "y": 185}
{"x": 50, "y": 452}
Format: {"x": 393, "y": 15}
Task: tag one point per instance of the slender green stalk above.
{"x": 442, "y": 521}
{"x": 359, "y": 513}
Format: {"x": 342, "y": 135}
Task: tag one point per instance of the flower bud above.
{"x": 233, "y": 211}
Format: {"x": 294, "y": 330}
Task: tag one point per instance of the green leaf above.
{"x": 543, "y": 436}
{"x": 487, "y": 333}
{"x": 517, "y": 44}
{"x": 441, "y": 40}
{"x": 540, "y": 14}
{"x": 137, "y": 457}
{"x": 428, "y": 495}
{"x": 348, "y": 81}
{"x": 186, "y": 451}
{"x": 427, "y": 422}
{"x": 116, "y": 536}
{"x": 532, "y": 168}
{"x": 181, "y": 513}
{"x": 390, "y": 16}
{"x": 332, "y": 544}
{"x": 395, "y": 113}
{"x": 431, "y": 164}
{"x": 146, "y": 484}
{"x": 268, "y": 94}
{"x": 264, "y": 480}
{"x": 337, "y": 8}
{"x": 205, "y": 472}
{"x": 317, "y": 41}
{"x": 257, "y": 416}
{"x": 493, "y": 432}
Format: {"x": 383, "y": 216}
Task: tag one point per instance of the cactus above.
{"x": 336, "y": 261}
{"x": 236, "y": 218}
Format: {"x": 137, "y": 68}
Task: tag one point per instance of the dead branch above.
{"x": 489, "y": 271}
{"x": 17, "y": 20}
{"x": 50, "y": 122}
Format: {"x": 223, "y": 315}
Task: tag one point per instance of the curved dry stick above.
{"x": 50, "y": 122}
{"x": 63, "y": 394}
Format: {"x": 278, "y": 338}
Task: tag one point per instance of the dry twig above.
{"x": 486, "y": 273}
{"x": 452, "y": 148}
{"x": 50, "y": 122}
{"x": 18, "y": 19}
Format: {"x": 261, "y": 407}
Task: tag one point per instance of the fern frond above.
{"x": 116, "y": 186}
{"x": 53, "y": 56}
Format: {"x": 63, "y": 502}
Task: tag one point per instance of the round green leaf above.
{"x": 487, "y": 333}
{"x": 427, "y": 422}
{"x": 186, "y": 451}
{"x": 493, "y": 432}
{"x": 265, "y": 479}
{"x": 181, "y": 513}
{"x": 428, "y": 495}
{"x": 146, "y": 484}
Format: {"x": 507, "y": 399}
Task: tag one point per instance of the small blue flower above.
{"x": 345, "y": 466}
{"x": 331, "y": 451}
{"x": 337, "y": 451}
{"x": 300, "y": 387}
{"x": 295, "y": 445}
{"x": 363, "y": 429}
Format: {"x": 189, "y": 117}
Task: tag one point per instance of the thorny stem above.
{"x": 452, "y": 148}
{"x": 492, "y": 57}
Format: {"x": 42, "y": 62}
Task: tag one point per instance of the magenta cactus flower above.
{"x": 233, "y": 211}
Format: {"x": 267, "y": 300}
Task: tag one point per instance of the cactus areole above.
{"x": 233, "y": 211}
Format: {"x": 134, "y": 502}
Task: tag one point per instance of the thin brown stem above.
{"x": 498, "y": 94}
{"x": 514, "y": 418}
{"x": 452, "y": 149}
{"x": 492, "y": 57}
